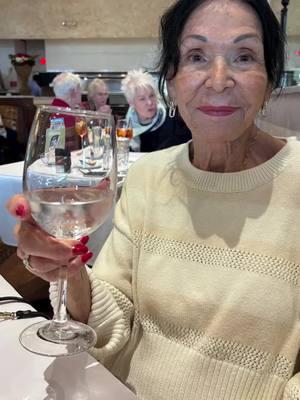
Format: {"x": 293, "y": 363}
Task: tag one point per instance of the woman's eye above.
{"x": 196, "y": 57}
{"x": 245, "y": 58}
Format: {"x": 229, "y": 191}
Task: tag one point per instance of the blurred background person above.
{"x": 97, "y": 97}
{"x": 67, "y": 90}
{"x": 34, "y": 87}
{"x": 154, "y": 126}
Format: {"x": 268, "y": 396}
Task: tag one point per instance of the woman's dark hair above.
{"x": 174, "y": 20}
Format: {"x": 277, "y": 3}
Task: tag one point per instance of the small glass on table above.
{"x": 67, "y": 202}
{"x": 124, "y": 133}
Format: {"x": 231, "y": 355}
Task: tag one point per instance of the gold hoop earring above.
{"x": 172, "y": 109}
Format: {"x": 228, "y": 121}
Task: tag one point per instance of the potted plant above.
{"x": 23, "y": 64}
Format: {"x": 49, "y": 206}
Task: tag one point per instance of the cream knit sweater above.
{"x": 195, "y": 294}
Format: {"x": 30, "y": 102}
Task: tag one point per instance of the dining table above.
{"x": 28, "y": 376}
{"x": 11, "y": 176}
{"x": 10, "y": 184}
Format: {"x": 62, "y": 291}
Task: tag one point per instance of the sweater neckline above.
{"x": 242, "y": 181}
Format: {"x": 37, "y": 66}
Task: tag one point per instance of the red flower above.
{"x": 22, "y": 59}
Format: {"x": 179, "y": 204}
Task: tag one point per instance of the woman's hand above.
{"x": 105, "y": 109}
{"x": 44, "y": 253}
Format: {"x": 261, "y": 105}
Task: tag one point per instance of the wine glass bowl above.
{"x": 80, "y": 127}
{"x": 70, "y": 193}
{"x": 124, "y": 129}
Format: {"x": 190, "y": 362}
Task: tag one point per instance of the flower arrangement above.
{"x": 22, "y": 59}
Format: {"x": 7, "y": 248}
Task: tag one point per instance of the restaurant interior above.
{"x": 96, "y": 39}
{"x": 105, "y": 50}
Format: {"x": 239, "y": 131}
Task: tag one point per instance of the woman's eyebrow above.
{"x": 245, "y": 36}
{"x": 197, "y": 37}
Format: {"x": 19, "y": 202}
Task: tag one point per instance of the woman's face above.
{"x": 221, "y": 83}
{"x": 145, "y": 103}
{"x": 100, "y": 96}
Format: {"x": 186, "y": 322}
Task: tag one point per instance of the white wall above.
{"x": 6, "y": 47}
{"x": 293, "y": 59}
{"x": 100, "y": 55}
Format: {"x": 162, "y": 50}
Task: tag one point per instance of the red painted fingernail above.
{"x": 20, "y": 211}
{"x": 84, "y": 239}
{"x": 86, "y": 257}
{"x": 79, "y": 249}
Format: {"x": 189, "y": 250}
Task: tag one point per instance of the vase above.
{"x": 23, "y": 74}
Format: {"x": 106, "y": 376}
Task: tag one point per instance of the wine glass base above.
{"x": 75, "y": 339}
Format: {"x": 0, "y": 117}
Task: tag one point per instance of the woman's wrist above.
{"x": 79, "y": 296}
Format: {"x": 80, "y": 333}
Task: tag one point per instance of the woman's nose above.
{"x": 149, "y": 102}
{"x": 220, "y": 75}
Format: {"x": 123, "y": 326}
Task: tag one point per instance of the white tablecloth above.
{"x": 11, "y": 183}
{"x": 27, "y": 376}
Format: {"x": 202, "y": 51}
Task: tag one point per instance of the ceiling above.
{"x": 293, "y": 20}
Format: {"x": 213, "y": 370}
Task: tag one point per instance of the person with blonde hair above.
{"x": 97, "y": 96}
{"x": 153, "y": 129}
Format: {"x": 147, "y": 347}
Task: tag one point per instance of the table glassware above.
{"x": 108, "y": 126}
{"x": 123, "y": 154}
{"x": 124, "y": 128}
{"x": 124, "y": 134}
{"x": 81, "y": 128}
{"x": 68, "y": 204}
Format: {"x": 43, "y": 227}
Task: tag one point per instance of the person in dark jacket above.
{"x": 154, "y": 126}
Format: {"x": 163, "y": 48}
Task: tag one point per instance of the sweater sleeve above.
{"x": 292, "y": 388}
{"x": 111, "y": 292}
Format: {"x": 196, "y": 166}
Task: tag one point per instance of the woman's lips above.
{"x": 218, "y": 111}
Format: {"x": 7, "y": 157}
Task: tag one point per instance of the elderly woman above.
{"x": 98, "y": 96}
{"x": 153, "y": 128}
{"x": 196, "y": 292}
{"x": 67, "y": 90}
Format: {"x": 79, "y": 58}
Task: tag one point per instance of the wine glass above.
{"x": 124, "y": 128}
{"x": 70, "y": 196}
{"x": 81, "y": 128}
{"x": 124, "y": 134}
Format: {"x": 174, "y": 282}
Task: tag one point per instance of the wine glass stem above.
{"x": 60, "y": 313}
{"x": 83, "y": 151}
